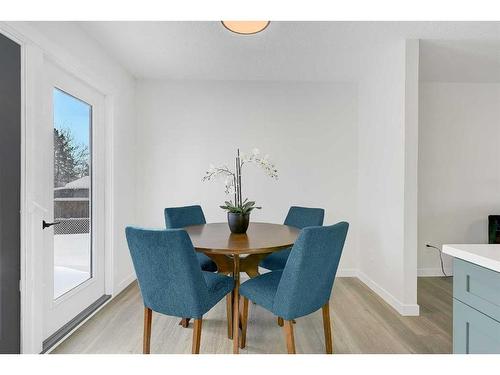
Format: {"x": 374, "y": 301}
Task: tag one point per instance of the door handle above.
{"x": 46, "y": 225}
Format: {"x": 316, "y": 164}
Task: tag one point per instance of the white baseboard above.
{"x": 430, "y": 272}
{"x": 124, "y": 283}
{"x": 341, "y": 272}
{"x": 347, "y": 272}
{"x": 400, "y": 307}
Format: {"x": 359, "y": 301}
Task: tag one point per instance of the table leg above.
{"x": 252, "y": 273}
{"x": 229, "y": 310}
{"x": 250, "y": 264}
{"x": 234, "y": 265}
{"x": 236, "y": 304}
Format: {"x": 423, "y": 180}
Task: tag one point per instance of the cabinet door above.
{"x": 474, "y": 332}
{"x": 477, "y": 287}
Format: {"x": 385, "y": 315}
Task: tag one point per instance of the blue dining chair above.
{"x": 181, "y": 217}
{"x": 298, "y": 217}
{"x": 304, "y": 285}
{"x": 170, "y": 279}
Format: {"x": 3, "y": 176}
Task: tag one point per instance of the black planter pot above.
{"x": 238, "y": 223}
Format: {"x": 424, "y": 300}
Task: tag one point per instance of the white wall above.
{"x": 382, "y": 174}
{"x": 308, "y": 129}
{"x": 459, "y": 166}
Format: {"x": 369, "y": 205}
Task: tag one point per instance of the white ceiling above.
{"x": 460, "y": 60}
{"x": 299, "y": 51}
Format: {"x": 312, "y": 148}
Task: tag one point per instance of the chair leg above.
{"x": 290, "y": 340}
{"x": 327, "y": 328}
{"x": 196, "y": 336}
{"x": 146, "y": 343}
{"x": 229, "y": 312}
{"x": 244, "y": 321}
{"x": 184, "y": 322}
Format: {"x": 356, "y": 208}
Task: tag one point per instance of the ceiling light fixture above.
{"x": 246, "y": 27}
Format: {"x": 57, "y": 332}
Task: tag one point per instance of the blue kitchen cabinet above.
{"x": 476, "y": 309}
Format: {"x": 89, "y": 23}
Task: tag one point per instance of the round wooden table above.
{"x": 235, "y": 253}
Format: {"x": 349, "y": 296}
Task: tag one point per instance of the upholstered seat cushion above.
{"x": 262, "y": 289}
{"x": 218, "y": 286}
{"x": 276, "y": 261}
{"x": 206, "y": 263}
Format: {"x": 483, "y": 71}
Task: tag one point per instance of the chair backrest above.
{"x": 309, "y": 273}
{"x": 168, "y": 272}
{"x": 180, "y": 217}
{"x": 301, "y": 217}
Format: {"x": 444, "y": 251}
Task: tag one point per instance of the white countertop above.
{"x": 487, "y": 256}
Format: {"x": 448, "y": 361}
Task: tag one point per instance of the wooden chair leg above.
{"x": 196, "y": 336}
{"x": 244, "y": 321}
{"x": 290, "y": 340}
{"x": 229, "y": 312}
{"x": 146, "y": 343}
{"x": 327, "y": 328}
{"x": 184, "y": 322}
{"x": 280, "y": 321}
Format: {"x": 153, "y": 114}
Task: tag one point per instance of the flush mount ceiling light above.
{"x": 245, "y": 27}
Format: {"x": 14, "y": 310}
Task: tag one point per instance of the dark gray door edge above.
{"x": 10, "y": 197}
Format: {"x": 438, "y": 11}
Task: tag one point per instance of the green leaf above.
{"x": 249, "y": 204}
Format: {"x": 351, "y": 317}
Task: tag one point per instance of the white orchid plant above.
{"x": 232, "y": 179}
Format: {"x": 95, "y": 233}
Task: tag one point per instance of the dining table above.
{"x": 236, "y": 253}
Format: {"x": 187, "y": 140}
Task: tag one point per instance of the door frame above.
{"x": 34, "y": 48}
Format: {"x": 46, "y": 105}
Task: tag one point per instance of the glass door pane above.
{"x": 72, "y": 192}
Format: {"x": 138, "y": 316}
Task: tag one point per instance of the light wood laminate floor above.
{"x": 362, "y": 323}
